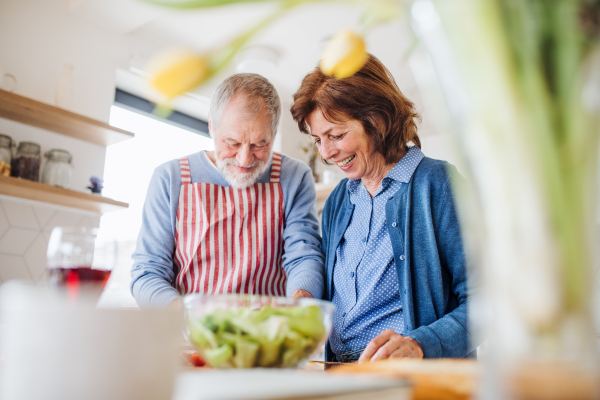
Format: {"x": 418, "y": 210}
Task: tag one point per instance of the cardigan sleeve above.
{"x": 302, "y": 258}
{"x": 449, "y": 335}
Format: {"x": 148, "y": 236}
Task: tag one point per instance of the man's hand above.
{"x": 300, "y": 293}
{"x": 390, "y": 344}
{"x": 175, "y": 305}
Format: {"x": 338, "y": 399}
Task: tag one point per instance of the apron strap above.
{"x": 275, "y": 167}
{"x": 184, "y": 164}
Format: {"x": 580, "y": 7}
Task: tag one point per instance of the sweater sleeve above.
{"x": 449, "y": 335}
{"x": 302, "y": 258}
{"x": 153, "y": 269}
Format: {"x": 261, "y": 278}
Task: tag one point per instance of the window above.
{"x": 128, "y": 168}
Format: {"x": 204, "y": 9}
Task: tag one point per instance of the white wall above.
{"x": 37, "y": 38}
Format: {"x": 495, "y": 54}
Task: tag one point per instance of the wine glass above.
{"x": 79, "y": 262}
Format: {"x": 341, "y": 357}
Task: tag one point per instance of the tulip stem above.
{"x": 223, "y": 55}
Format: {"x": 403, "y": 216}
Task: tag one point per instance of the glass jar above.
{"x": 26, "y": 163}
{"x": 5, "y": 154}
{"x": 58, "y": 168}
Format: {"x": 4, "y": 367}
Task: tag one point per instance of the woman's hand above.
{"x": 390, "y": 344}
{"x": 300, "y": 293}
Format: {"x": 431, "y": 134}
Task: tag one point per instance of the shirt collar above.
{"x": 402, "y": 171}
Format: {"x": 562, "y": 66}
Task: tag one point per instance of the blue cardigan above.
{"x": 428, "y": 252}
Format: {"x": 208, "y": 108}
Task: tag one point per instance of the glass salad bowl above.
{"x": 244, "y": 331}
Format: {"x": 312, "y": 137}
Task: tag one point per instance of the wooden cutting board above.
{"x": 450, "y": 379}
{"x": 441, "y": 379}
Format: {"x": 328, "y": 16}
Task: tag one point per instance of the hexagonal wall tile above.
{"x": 43, "y": 215}
{"x": 89, "y": 222}
{"x": 20, "y": 215}
{"x": 62, "y": 218}
{"x": 35, "y": 257}
{"x": 4, "y": 225}
{"x": 42, "y": 280}
{"x": 13, "y": 267}
{"x": 17, "y": 240}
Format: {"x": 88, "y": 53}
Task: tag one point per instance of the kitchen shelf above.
{"x": 30, "y": 190}
{"x": 45, "y": 116}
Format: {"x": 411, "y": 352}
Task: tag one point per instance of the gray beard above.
{"x": 241, "y": 180}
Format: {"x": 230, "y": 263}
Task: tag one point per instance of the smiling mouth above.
{"x": 346, "y": 162}
{"x": 244, "y": 169}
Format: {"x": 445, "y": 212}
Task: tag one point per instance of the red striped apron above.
{"x": 230, "y": 240}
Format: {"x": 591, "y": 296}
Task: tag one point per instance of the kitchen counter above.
{"x": 271, "y": 384}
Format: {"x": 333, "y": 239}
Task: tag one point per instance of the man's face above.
{"x": 242, "y": 143}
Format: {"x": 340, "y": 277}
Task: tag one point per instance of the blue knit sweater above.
{"x": 430, "y": 260}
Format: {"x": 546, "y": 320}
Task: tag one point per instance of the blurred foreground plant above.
{"x": 529, "y": 128}
{"x": 176, "y": 71}
{"x": 344, "y": 55}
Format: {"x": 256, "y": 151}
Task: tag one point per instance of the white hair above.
{"x": 255, "y": 87}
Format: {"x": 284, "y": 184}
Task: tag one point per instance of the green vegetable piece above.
{"x": 246, "y": 353}
{"x": 244, "y": 325}
{"x": 202, "y": 336}
{"x": 219, "y": 321}
{"x": 293, "y": 339}
{"x": 288, "y": 311}
{"x": 227, "y": 338}
{"x": 218, "y": 356}
{"x": 309, "y": 322}
{"x": 263, "y": 314}
{"x": 209, "y": 322}
{"x": 270, "y": 351}
{"x": 293, "y": 355}
{"x": 274, "y": 327}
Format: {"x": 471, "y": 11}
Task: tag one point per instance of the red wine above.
{"x": 74, "y": 276}
{"x": 73, "y": 279}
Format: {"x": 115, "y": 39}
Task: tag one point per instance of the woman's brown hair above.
{"x": 370, "y": 96}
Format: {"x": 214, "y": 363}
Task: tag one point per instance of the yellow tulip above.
{"x": 177, "y": 71}
{"x": 344, "y": 55}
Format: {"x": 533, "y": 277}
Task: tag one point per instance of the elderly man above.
{"x": 239, "y": 219}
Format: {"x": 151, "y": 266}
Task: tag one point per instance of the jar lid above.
{"x": 58, "y": 155}
{"x": 5, "y": 140}
{"x": 29, "y": 147}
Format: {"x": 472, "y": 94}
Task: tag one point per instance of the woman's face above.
{"x": 346, "y": 144}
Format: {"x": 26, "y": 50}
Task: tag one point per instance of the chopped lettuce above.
{"x": 246, "y": 352}
{"x": 218, "y": 356}
{"x": 269, "y": 337}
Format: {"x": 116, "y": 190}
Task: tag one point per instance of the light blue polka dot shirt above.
{"x": 366, "y": 292}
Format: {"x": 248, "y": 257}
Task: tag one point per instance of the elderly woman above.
{"x": 395, "y": 263}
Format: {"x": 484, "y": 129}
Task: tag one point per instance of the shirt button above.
{"x": 401, "y": 258}
{"x": 351, "y": 274}
{"x": 344, "y": 314}
{"x": 394, "y": 224}
{"x": 364, "y": 240}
